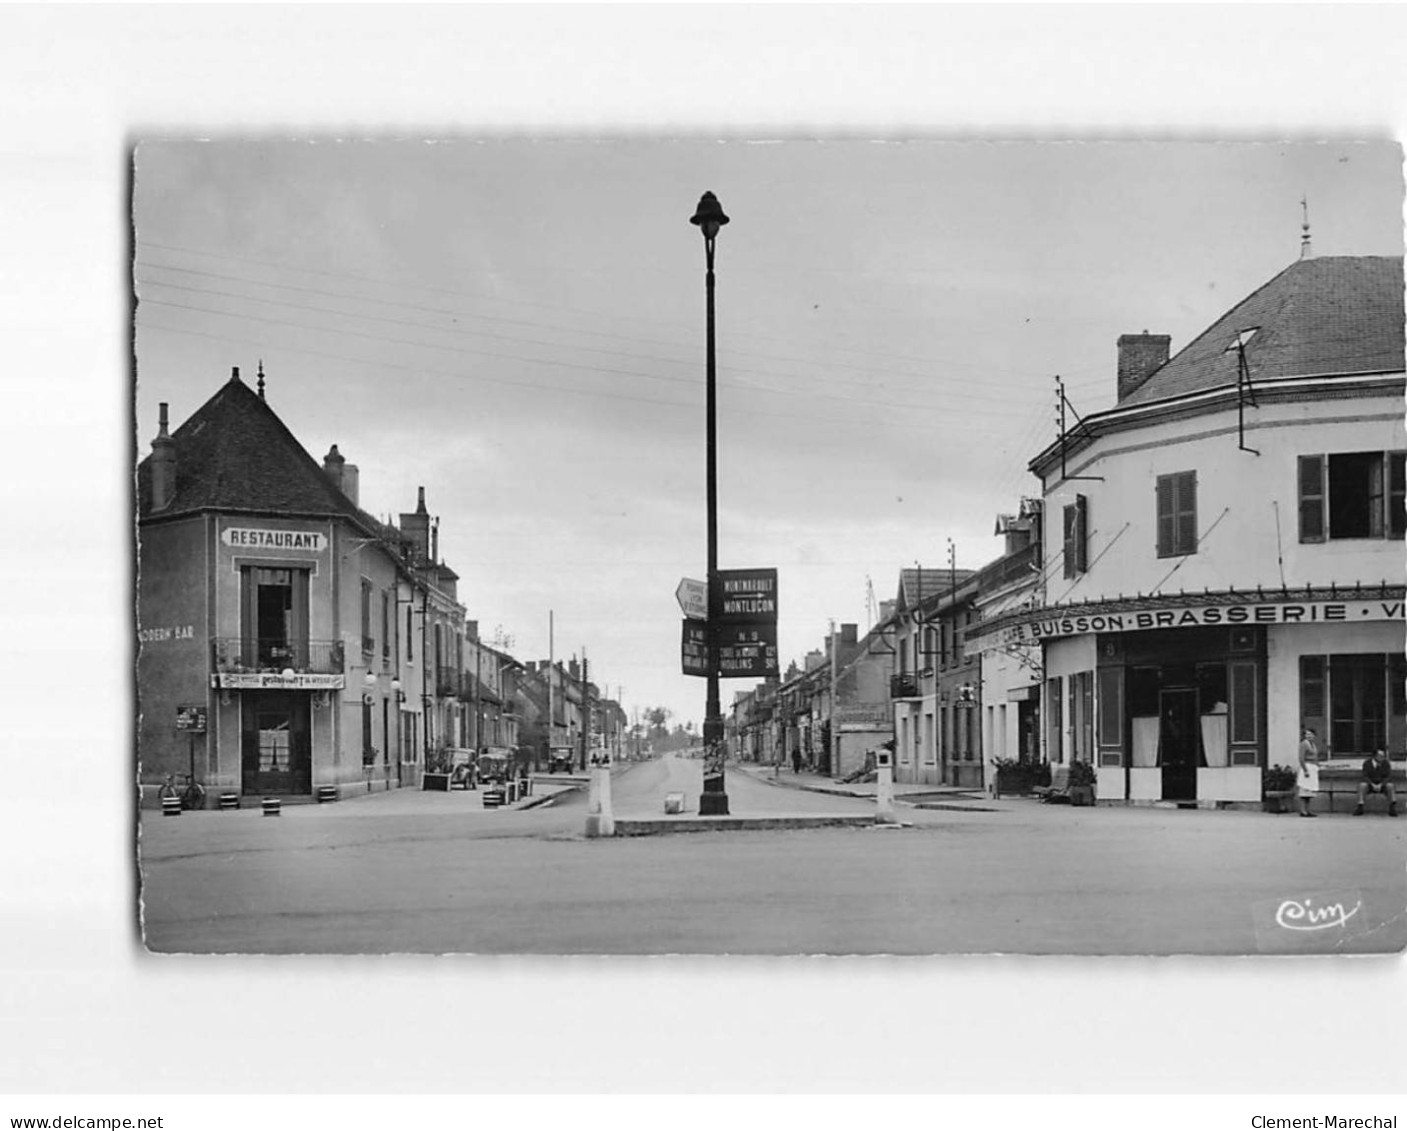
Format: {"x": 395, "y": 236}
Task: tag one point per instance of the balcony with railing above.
{"x": 236, "y": 654}
{"x": 903, "y": 685}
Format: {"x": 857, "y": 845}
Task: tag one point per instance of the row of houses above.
{"x": 289, "y": 640}
{"x": 1207, "y": 567}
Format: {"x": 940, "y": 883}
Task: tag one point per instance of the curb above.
{"x": 652, "y": 827}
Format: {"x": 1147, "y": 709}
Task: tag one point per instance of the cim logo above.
{"x": 1314, "y": 922}
{"x": 1297, "y": 915}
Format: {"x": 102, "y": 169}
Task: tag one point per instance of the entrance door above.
{"x": 277, "y": 744}
{"x": 1179, "y": 744}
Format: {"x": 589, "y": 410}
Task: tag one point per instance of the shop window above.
{"x": 1111, "y": 716}
{"x": 1354, "y": 701}
{"x": 368, "y": 748}
{"x": 1077, "y": 537}
{"x": 1245, "y": 720}
{"x": 1357, "y": 704}
{"x": 1177, "y": 514}
{"x": 1055, "y": 751}
{"x": 1352, "y": 495}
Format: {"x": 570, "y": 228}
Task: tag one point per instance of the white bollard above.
{"x": 884, "y": 790}
{"x": 599, "y": 819}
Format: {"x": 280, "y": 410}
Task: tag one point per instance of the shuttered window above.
{"x": 1352, "y": 495}
{"x": 1177, "y": 514}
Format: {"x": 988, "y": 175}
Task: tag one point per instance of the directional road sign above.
{"x": 744, "y": 650}
{"x": 749, "y": 596}
{"x": 693, "y": 598}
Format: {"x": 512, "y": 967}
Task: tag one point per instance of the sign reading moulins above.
{"x": 749, "y": 596}
{"x": 743, "y": 649}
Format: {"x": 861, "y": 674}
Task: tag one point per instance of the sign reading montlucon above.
{"x": 1035, "y": 627}
{"x": 749, "y": 595}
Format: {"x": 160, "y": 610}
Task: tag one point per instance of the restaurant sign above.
{"x": 244, "y": 538}
{"x": 1044, "y": 625}
{"x": 276, "y": 681}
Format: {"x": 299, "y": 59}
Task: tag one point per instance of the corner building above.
{"x": 276, "y": 620}
{"x": 1224, "y": 548}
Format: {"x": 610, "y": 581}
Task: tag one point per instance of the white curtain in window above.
{"x": 1214, "y": 740}
{"x": 1145, "y": 743}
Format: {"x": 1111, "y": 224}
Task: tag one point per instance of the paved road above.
{"x": 435, "y": 873}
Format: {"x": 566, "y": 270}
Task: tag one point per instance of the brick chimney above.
{"x": 415, "y": 529}
{"x": 163, "y": 465}
{"x": 341, "y": 474}
{"x": 1139, "y": 356}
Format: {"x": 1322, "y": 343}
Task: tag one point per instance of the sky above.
{"x": 518, "y": 326}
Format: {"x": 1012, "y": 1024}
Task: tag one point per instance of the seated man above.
{"x": 1377, "y": 778}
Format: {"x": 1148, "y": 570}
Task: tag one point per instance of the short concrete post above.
{"x": 599, "y": 819}
{"x": 884, "y": 789}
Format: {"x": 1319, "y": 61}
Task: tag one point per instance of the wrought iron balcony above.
{"x": 276, "y": 654}
{"x": 904, "y": 685}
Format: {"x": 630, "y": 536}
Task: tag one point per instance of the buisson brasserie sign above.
{"x": 1041, "y": 625}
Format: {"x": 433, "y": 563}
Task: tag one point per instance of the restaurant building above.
{"x": 1223, "y": 558}
{"x": 280, "y": 629}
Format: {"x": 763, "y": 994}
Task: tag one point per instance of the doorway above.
{"x": 1179, "y": 744}
{"x": 276, "y": 744}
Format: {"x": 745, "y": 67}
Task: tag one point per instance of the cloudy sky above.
{"x": 518, "y": 326}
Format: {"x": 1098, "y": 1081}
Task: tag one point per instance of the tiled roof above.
{"x": 921, "y": 584}
{"x": 235, "y": 454}
{"x": 1318, "y": 317}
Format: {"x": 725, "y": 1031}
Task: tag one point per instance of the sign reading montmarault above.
{"x": 1049, "y": 624}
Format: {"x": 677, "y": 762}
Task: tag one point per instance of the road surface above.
{"x": 435, "y": 873}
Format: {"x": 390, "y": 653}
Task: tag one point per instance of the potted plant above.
{"x": 1277, "y": 785}
{"x": 1081, "y": 787}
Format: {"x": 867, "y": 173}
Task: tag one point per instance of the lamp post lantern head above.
{"x": 709, "y": 216}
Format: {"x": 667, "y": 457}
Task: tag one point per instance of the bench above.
{"x": 1337, "y": 779}
{"x": 1059, "y": 787}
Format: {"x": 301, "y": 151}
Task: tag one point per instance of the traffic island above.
{"x": 658, "y": 826}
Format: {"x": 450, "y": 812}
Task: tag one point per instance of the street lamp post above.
{"x": 709, "y": 218}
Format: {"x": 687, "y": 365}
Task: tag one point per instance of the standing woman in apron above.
{"x": 1307, "y": 779}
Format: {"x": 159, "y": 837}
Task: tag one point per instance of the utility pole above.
{"x": 551, "y": 698}
{"x": 585, "y": 711}
{"x": 478, "y": 703}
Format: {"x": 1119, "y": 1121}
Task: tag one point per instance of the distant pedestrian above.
{"x": 796, "y": 761}
{"x": 1307, "y": 780}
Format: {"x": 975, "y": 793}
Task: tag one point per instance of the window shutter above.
{"x": 1165, "y": 516}
{"x": 1396, "y": 495}
{"x": 1377, "y": 501}
{"x": 1081, "y": 533}
{"x": 1311, "y": 498}
{"x": 1072, "y": 517}
{"x": 1185, "y": 494}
